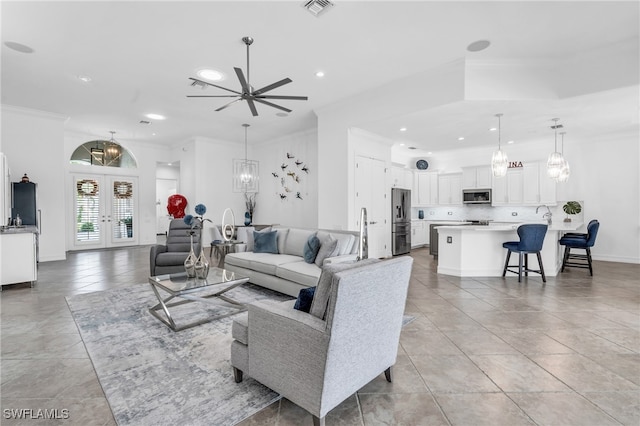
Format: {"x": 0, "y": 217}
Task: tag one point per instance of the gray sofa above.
{"x": 287, "y": 272}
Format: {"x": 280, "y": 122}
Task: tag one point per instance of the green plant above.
{"x": 571, "y": 207}
{"x": 86, "y": 227}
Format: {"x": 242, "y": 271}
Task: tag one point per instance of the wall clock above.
{"x": 422, "y": 164}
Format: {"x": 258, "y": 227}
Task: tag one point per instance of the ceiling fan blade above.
{"x": 272, "y": 86}
{"x": 262, "y": 101}
{"x": 229, "y": 104}
{"x": 195, "y": 80}
{"x": 295, "y": 98}
{"x": 212, "y": 96}
{"x": 243, "y": 82}
{"x": 252, "y": 107}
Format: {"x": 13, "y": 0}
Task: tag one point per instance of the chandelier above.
{"x": 499, "y": 160}
{"x": 555, "y": 162}
{"x": 245, "y": 171}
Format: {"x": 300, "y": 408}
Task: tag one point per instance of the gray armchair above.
{"x": 169, "y": 258}
{"x": 350, "y": 336}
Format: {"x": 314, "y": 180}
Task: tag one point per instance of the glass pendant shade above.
{"x": 565, "y": 172}
{"x": 499, "y": 163}
{"x": 499, "y": 160}
{"x": 555, "y": 164}
{"x": 245, "y": 172}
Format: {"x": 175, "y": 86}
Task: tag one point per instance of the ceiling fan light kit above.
{"x": 247, "y": 93}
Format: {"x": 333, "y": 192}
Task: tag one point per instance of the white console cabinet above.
{"x": 18, "y": 257}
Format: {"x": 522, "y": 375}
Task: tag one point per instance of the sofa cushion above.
{"x": 296, "y": 240}
{"x": 303, "y": 302}
{"x": 311, "y": 248}
{"x": 345, "y": 241}
{"x": 260, "y": 262}
{"x": 242, "y": 235}
{"x": 300, "y": 272}
{"x": 323, "y": 289}
{"x": 282, "y": 238}
{"x": 328, "y": 248}
{"x": 265, "y": 242}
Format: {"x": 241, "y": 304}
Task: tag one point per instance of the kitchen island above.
{"x": 476, "y": 250}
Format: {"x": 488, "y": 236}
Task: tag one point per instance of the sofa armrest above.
{"x": 345, "y": 258}
{"x": 153, "y": 253}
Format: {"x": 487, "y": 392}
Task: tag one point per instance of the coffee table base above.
{"x": 215, "y": 298}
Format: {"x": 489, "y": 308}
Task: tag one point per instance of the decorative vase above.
{"x": 190, "y": 262}
{"x": 202, "y": 266}
{"x": 247, "y": 219}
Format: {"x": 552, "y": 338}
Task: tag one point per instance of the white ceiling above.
{"x": 140, "y": 55}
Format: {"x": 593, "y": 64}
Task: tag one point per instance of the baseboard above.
{"x": 618, "y": 259}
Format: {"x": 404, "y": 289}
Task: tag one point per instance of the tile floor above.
{"x": 481, "y": 351}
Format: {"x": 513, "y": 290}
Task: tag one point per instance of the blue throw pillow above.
{"x": 305, "y": 297}
{"x": 311, "y": 248}
{"x": 265, "y": 242}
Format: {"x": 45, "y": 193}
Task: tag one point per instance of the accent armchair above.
{"x": 350, "y": 336}
{"x": 169, "y": 258}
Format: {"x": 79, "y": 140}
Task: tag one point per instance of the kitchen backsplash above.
{"x": 496, "y": 214}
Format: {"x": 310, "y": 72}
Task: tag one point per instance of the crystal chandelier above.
{"x": 555, "y": 162}
{"x": 245, "y": 171}
{"x": 565, "y": 171}
{"x": 499, "y": 160}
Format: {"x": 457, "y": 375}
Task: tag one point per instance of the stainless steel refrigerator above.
{"x": 400, "y": 221}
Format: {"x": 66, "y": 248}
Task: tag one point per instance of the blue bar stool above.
{"x": 580, "y": 241}
{"x": 531, "y": 239}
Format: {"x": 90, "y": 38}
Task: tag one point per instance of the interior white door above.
{"x": 370, "y": 192}
{"x": 105, "y": 211}
{"x": 164, "y": 189}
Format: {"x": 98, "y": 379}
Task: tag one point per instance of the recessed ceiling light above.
{"x": 493, "y": 129}
{"x": 168, "y": 164}
{"x": 479, "y": 45}
{"x": 211, "y": 75}
{"x": 429, "y": 153}
{"x": 403, "y": 129}
{"x": 84, "y": 78}
{"x": 153, "y": 134}
{"x": 320, "y": 74}
{"x": 461, "y": 138}
{"x": 18, "y": 47}
{"x": 401, "y": 144}
{"x": 510, "y": 142}
{"x": 155, "y": 116}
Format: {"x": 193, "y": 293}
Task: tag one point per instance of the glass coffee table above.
{"x": 219, "y": 281}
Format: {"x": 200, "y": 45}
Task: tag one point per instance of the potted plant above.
{"x": 571, "y": 207}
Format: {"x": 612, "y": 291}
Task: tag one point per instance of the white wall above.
{"x": 33, "y": 142}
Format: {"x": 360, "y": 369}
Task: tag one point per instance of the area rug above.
{"x": 154, "y": 376}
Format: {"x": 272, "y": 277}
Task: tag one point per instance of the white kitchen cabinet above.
{"x": 419, "y": 233}
{"x": 426, "y": 189}
{"x": 450, "y": 189}
{"x": 401, "y": 178}
{"x": 524, "y": 186}
{"x": 18, "y": 257}
{"x": 478, "y": 177}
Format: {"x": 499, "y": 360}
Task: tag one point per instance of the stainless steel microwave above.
{"x": 476, "y": 196}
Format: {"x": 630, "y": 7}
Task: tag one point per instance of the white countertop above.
{"x": 27, "y": 229}
{"x": 511, "y": 226}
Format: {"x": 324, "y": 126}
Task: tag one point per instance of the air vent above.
{"x": 145, "y": 122}
{"x": 317, "y": 7}
{"x": 557, "y": 126}
{"x": 412, "y": 147}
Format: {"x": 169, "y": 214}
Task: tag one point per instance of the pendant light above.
{"x": 565, "y": 171}
{"x": 245, "y": 171}
{"x": 555, "y": 162}
{"x": 499, "y": 160}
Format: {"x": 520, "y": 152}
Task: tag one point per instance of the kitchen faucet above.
{"x": 547, "y": 215}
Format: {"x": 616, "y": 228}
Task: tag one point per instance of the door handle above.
{"x": 372, "y": 223}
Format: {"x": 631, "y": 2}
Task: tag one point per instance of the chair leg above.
{"x": 589, "y": 260}
{"x": 506, "y": 263}
{"x": 544, "y": 278}
{"x": 567, "y": 249}
{"x": 317, "y": 421}
{"x": 237, "y": 375}
{"x": 520, "y": 260}
{"x": 526, "y": 264}
{"x": 388, "y": 375}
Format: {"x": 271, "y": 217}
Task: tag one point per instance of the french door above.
{"x": 105, "y": 211}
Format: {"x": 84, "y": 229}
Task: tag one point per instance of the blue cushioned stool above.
{"x": 531, "y": 239}
{"x": 580, "y": 241}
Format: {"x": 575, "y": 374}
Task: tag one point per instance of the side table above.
{"x": 222, "y": 248}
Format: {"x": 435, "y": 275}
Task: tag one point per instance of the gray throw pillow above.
{"x": 311, "y": 248}
{"x": 328, "y": 248}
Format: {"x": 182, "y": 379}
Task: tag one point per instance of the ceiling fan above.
{"x": 247, "y": 93}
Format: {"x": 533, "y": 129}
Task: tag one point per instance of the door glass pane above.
{"x": 122, "y": 210}
{"x": 87, "y": 210}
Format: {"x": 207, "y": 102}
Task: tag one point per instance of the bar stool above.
{"x": 580, "y": 241}
{"x": 531, "y": 239}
